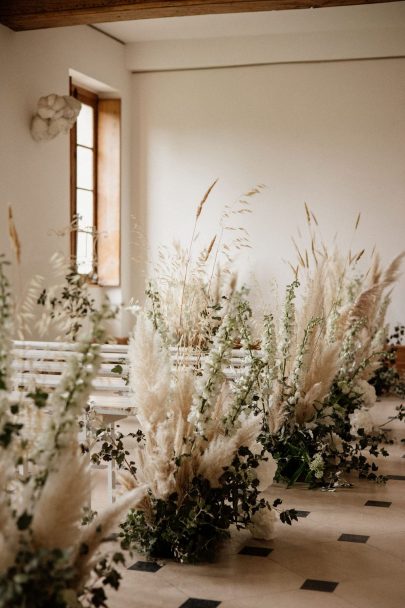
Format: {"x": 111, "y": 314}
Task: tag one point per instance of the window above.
{"x": 84, "y": 184}
{"x": 95, "y": 188}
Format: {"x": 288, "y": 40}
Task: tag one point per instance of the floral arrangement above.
{"x": 197, "y": 448}
{"x": 189, "y": 290}
{"x": 65, "y": 305}
{"x": 295, "y": 383}
{"x": 298, "y": 409}
{"x": 47, "y": 557}
{"x": 325, "y": 354}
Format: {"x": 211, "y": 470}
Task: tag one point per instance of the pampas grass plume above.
{"x": 204, "y": 199}
{"x": 58, "y": 511}
{"x": 103, "y": 525}
{"x": 149, "y": 372}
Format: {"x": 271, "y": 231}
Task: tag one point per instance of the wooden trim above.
{"x": 84, "y": 95}
{"x": 109, "y": 192}
{"x": 95, "y": 186}
{"x": 73, "y": 162}
{"x": 28, "y": 14}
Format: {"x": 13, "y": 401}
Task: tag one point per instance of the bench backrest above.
{"x": 42, "y": 363}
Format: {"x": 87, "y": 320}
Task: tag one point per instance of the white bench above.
{"x": 41, "y": 364}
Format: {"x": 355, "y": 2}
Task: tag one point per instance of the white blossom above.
{"x": 317, "y": 466}
{"x": 262, "y": 525}
{"x": 367, "y": 391}
{"x": 265, "y": 472}
{"x": 361, "y": 419}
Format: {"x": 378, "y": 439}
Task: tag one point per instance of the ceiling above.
{"x": 257, "y": 23}
{"x": 36, "y": 14}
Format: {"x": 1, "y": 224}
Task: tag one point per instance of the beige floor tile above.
{"x": 379, "y": 592}
{"x": 141, "y": 590}
{"x": 305, "y": 531}
{"x": 236, "y": 578}
{"x": 291, "y": 599}
{"x": 393, "y": 543}
{"x": 364, "y": 520}
{"x": 337, "y": 561}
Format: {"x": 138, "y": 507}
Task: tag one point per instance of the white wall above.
{"x": 329, "y": 33}
{"x": 331, "y": 134}
{"x": 34, "y": 177}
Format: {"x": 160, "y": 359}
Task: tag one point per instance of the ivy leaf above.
{"x": 98, "y": 597}
{"x": 39, "y": 397}
{"x": 24, "y": 521}
{"x": 113, "y": 579}
{"x": 9, "y": 429}
{"x": 14, "y": 408}
{"x": 287, "y": 517}
{"x": 117, "y": 369}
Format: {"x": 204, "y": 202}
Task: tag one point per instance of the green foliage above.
{"x": 386, "y": 379}
{"x": 119, "y": 370}
{"x": 71, "y": 304}
{"x": 39, "y": 397}
{"x": 5, "y": 319}
{"x": 38, "y": 579}
{"x": 35, "y": 576}
{"x": 288, "y": 516}
{"x": 189, "y": 528}
{"x": 7, "y": 431}
{"x": 308, "y": 453}
{"x": 44, "y": 578}
{"x": 113, "y": 448}
{"x": 155, "y": 313}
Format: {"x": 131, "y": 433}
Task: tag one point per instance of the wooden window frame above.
{"x": 106, "y": 187}
{"x": 91, "y": 99}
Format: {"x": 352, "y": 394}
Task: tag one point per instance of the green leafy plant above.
{"x": 47, "y": 556}
{"x": 190, "y": 528}
{"x": 386, "y": 379}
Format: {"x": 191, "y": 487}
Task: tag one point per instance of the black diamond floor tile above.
{"x": 396, "y": 477}
{"x": 377, "y": 503}
{"x": 353, "y": 538}
{"x": 302, "y": 513}
{"x": 257, "y": 551}
{"x": 195, "y": 602}
{"x": 145, "y": 567}
{"x": 315, "y": 585}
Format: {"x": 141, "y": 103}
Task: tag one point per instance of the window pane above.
{"x": 85, "y": 212}
{"x": 84, "y": 209}
{"x": 84, "y": 253}
{"x": 85, "y": 124}
{"x": 84, "y": 168}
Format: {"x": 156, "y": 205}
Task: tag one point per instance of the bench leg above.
{"x": 111, "y": 479}
{"x": 85, "y": 438}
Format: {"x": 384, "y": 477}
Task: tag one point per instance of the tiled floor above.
{"x": 347, "y": 550}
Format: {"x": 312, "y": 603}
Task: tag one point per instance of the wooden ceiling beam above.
{"x": 34, "y": 14}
